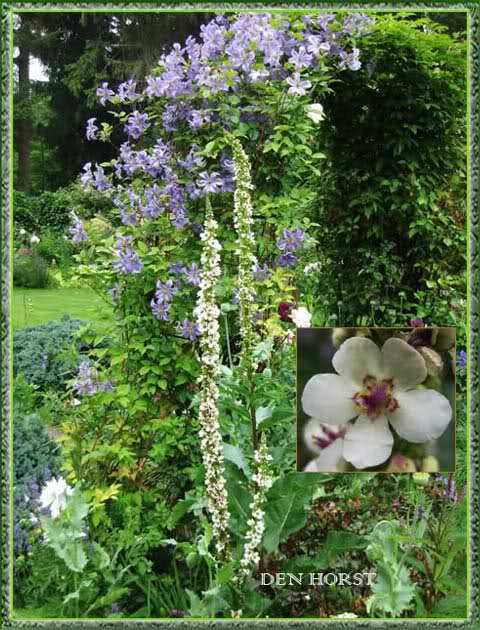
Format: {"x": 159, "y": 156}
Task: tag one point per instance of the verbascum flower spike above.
{"x": 207, "y": 313}
{"x": 243, "y": 221}
{"x": 262, "y": 481}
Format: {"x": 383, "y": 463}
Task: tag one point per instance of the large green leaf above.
{"x": 239, "y": 498}
{"x": 286, "y": 506}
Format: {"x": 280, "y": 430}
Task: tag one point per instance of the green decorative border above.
{"x": 473, "y": 307}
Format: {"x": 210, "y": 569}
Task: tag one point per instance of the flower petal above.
{"x": 329, "y": 460}
{"x": 329, "y": 398}
{"x": 422, "y": 415}
{"x": 318, "y": 436}
{"x": 356, "y": 358}
{"x": 368, "y": 442}
{"x": 403, "y": 364}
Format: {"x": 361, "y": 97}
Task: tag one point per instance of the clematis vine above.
{"x": 373, "y": 392}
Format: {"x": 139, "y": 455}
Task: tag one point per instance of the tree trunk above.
{"x": 24, "y": 131}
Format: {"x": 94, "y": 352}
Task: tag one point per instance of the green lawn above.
{"x": 37, "y": 306}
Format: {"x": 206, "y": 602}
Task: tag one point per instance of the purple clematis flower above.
{"x": 291, "y": 240}
{"x": 91, "y": 132}
{"x": 287, "y": 260}
{"x": 104, "y": 93}
{"x": 128, "y": 260}
{"x": 209, "y": 182}
{"x": 137, "y": 123}
{"x": 192, "y": 274}
{"x": 298, "y": 87}
{"x": 189, "y": 330}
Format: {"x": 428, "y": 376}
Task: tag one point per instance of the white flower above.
{"x": 327, "y": 441}
{"x": 316, "y": 266}
{"x": 34, "y": 239}
{"x": 315, "y": 112}
{"x": 301, "y": 317}
{"x": 23, "y": 231}
{"x": 54, "y": 495}
{"x": 346, "y": 615}
{"x": 376, "y": 388}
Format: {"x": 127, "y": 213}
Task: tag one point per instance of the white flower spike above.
{"x": 376, "y": 389}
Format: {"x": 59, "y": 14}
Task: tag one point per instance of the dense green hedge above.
{"x": 393, "y": 225}
{"x": 51, "y": 210}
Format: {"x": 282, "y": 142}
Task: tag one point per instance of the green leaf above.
{"x": 100, "y": 557}
{"x": 286, "y": 506}
{"x": 263, "y": 413}
{"x": 181, "y": 508}
{"x": 234, "y": 454}
{"x": 107, "y": 600}
{"x": 239, "y": 498}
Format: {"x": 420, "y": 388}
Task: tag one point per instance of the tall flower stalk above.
{"x": 243, "y": 221}
{"x": 211, "y": 439}
{"x": 262, "y": 481}
{"x": 247, "y": 262}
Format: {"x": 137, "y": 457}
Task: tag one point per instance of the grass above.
{"x": 32, "y": 307}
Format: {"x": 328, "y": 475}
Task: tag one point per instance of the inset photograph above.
{"x": 376, "y": 399}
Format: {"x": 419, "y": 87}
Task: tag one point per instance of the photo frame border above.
{"x": 472, "y": 8}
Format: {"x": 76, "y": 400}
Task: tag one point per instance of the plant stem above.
{"x": 227, "y": 335}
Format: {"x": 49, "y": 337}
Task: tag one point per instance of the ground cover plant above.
{"x": 246, "y": 194}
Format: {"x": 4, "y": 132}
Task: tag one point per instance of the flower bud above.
{"x": 339, "y": 335}
{"x": 284, "y": 310}
{"x": 421, "y": 478}
{"x": 445, "y": 339}
{"x": 401, "y": 464}
{"x": 433, "y": 361}
{"x": 430, "y": 464}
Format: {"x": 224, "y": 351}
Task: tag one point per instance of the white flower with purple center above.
{"x": 373, "y": 391}
{"x": 298, "y": 86}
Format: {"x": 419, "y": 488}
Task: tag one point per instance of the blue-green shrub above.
{"x": 47, "y": 355}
